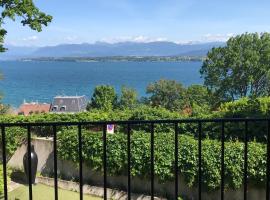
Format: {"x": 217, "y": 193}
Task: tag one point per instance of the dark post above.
{"x": 4, "y": 162}
{"x": 200, "y": 161}
{"x": 246, "y": 160}
{"x": 55, "y": 163}
{"x": 80, "y": 160}
{"x": 176, "y": 159}
{"x": 29, "y": 162}
{"x": 268, "y": 160}
{"x": 105, "y": 160}
{"x": 128, "y": 154}
{"x": 222, "y": 159}
{"x": 152, "y": 162}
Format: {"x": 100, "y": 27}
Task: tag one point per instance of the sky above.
{"x": 181, "y": 21}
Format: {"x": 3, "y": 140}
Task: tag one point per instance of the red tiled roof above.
{"x": 32, "y": 108}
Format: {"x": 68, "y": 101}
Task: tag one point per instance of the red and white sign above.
{"x": 110, "y": 128}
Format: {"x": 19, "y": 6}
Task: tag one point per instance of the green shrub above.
{"x": 2, "y": 180}
{"x": 15, "y": 136}
{"x": 164, "y": 157}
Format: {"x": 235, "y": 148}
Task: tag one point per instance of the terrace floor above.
{"x": 43, "y": 192}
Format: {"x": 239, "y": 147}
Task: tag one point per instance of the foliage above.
{"x": 198, "y": 94}
{"x": 25, "y": 9}
{"x": 2, "y": 180}
{"x": 164, "y": 157}
{"x": 15, "y": 136}
{"x": 128, "y": 98}
{"x": 104, "y": 98}
{"x": 31, "y": 16}
{"x": 239, "y": 69}
{"x": 199, "y": 99}
{"x": 4, "y": 109}
{"x": 168, "y": 94}
{"x": 247, "y": 107}
{"x": 144, "y": 112}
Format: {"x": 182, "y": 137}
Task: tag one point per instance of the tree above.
{"x": 198, "y": 94}
{"x": 25, "y": 9}
{"x": 199, "y": 99}
{"x": 239, "y": 69}
{"x": 31, "y": 16}
{"x": 168, "y": 94}
{"x": 104, "y": 98}
{"x": 129, "y": 98}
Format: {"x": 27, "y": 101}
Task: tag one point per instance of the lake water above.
{"x": 41, "y": 81}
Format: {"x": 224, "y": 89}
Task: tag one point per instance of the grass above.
{"x": 43, "y": 192}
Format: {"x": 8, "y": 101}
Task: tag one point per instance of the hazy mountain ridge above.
{"x": 101, "y": 49}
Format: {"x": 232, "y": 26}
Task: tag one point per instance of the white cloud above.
{"x": 71, "y": 38}
{"x": 139, "y": 39}
{"x": 216, "y": 37}
{"x": 30, "y": 38}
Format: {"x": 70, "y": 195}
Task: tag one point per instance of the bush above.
{"x": 164, "y": 157}
{"x": 2, "y": 180}
{"x": 14, "y": 138}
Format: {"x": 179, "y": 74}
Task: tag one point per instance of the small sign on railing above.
{"x": 110, "y": 128}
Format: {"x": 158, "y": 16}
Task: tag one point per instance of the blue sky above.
{"x": 143, "y": 20}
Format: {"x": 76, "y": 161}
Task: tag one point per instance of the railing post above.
{"x": 268, "y": 160}
{"x": 152, "y": 162}
{"x": 246, "y": 160}
{"x": 80, "y": 160}
{"x": 128, "y": 155}
{"x": 222, "y": 159}
{"x": 105, "y": 161}
{"x": 200, "y": 160}
{"x": 176, "y": 159}
{"x": 55, "y": 163}
{"x": 29, "y": 162}
{"x": 4, "y": 162}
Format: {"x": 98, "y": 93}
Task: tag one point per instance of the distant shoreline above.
{"x": 118, "y": 59}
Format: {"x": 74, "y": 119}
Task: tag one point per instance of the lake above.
{"x": 41, "y": 81}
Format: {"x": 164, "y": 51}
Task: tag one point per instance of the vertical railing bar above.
{"x": 129, "y": 160}
{"x": 80, "y": 160}
{"x": 104, "y": 161}
{"x": 29, "y": 162}
{"x": 268, "y": 160}
{"x": 245, "y": 159}
{"x": 4, "y": 162}
{"x": 176, "y": 159}
{"x": 200, "y": 160}
{"x": 152, "y": 162}
{"x": 55, "y": 163}
{"x": 222, "y": 159}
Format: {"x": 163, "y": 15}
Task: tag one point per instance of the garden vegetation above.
{"x": 230, "y": 91}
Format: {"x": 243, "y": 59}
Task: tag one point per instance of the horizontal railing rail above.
{"x": 152, "y": 123}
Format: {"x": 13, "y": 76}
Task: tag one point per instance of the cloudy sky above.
{"x": 112, "y": 21}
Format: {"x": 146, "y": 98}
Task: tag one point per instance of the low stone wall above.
{"x": 69, "y": 171}
{"x": 43, "y": 148}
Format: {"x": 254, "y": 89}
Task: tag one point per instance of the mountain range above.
{"x": 102, "y": 49}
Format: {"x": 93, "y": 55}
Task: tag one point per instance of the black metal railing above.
{"x": 198, "y": 122}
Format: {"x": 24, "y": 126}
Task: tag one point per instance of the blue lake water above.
{"x": 41, "y": 81}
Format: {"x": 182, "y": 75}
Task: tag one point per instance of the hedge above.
{"x": 16, "y": 135}
{"x": 2, "y": 180}
{"x": 164, "y": 157}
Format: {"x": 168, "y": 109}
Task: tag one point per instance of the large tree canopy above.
{"x": 239, "y": 69}
{"x": 104, "y": 98}
{"x": 26, "y": 10}
{"x": 28, "y": 13}
{"x": 168, "y": 94}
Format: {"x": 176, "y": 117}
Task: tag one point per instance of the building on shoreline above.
{"x": 68, "y": 104}
{"x": 27, "y": 109}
